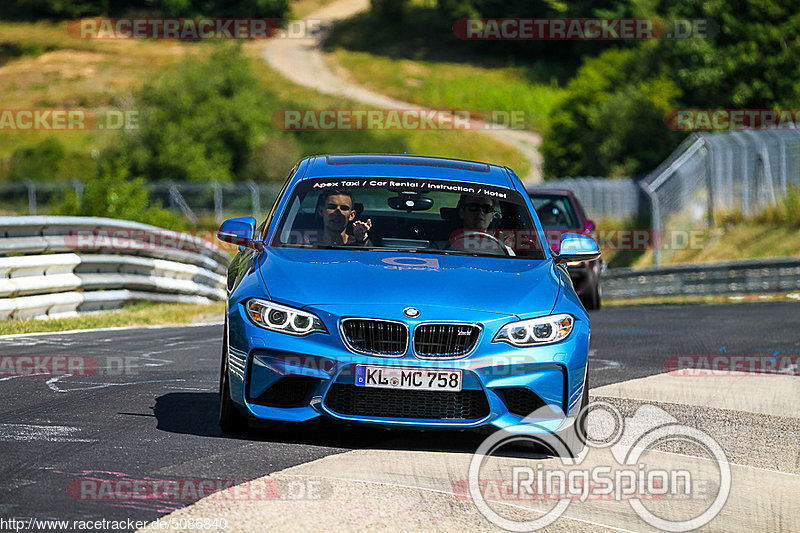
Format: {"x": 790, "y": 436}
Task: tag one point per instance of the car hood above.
{"x": 360, "y": 277}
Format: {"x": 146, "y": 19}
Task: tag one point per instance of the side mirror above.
{"x": 240, "y": 231}
{"x": 589, "y": 226}
{"x": 576, "y": 247}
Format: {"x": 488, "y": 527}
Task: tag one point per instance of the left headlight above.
{"x": 536, "y": 331}
{"x": 282, "y": 318}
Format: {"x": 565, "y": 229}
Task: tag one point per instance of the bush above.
{"x": 47, "y": 161}
{"x": 113, "y": 193}
{"x": 201, "y": 122}
{"x": 608, "y": 125}
{"x": 627, "y": 135}
{"x": 786, "y": 212}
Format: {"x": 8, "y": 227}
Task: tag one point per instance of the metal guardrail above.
{"x": 90, "y": 263}
{"x": 734, "y": 277}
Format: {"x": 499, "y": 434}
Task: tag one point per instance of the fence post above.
{"x": 655, "y": 219}
{"x": 255, "y": 198}
{"x": 218, "y": 202}
{"x": 78, "y": 186}
{"x": 31, "y": 196}
{"x": 745, "y": 177}
{"x": 709, "y": 180}
{"x": 176, "y": 199}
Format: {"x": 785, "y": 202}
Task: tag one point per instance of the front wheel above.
{"x": 592, "y": 296}
{"x": 231, "y": 421}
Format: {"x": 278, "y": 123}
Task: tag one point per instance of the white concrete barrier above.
{"x": 90, "y": 263}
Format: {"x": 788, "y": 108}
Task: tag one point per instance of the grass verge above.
{"x": 709, "y": 299}
{"x": 418, "y": 60}
{"x": 501, "y": 95}
{"x": 49, "y": 69}
{"x": 137, "y": 314}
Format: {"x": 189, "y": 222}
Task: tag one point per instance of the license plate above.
{"x": 390, "y": 377}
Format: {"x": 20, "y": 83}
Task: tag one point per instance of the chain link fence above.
{"x": 195, "y": 201}
{"x": 742, "y": 171}
{"x": 617, "y": 199}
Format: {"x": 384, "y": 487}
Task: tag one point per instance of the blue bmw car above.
{"x": 401, "y": 290}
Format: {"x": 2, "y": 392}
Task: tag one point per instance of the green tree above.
{"x": 113, "y": 193}
{"x": 201, "y": 122}
{"x": 749, "y": 60}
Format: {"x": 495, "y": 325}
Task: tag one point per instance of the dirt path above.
{"x": 301, "y": 61}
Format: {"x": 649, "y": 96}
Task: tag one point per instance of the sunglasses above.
{"x": 341, "y": 207}
{"x": 485, "y": 208}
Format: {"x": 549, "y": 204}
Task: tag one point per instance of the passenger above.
{"x": 337, "y": 209}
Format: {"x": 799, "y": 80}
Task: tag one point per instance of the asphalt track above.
{"x": 148, "y": 412}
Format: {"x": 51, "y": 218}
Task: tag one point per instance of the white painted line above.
{"x": 115, "y": 328}
{"x": 53, "y": 384}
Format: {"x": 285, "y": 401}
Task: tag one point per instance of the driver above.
{"x": 337, "y": 209}
{"x": 476, "y": 214}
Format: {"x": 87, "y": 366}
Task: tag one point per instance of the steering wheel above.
{"x": 468, "y": 234}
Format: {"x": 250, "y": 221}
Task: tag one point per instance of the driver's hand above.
{"x": 360, "y": 229}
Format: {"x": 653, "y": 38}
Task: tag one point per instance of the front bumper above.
{"x": 314, "y": 377}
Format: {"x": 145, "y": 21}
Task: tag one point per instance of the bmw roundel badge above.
{"x": 411, "y": 312}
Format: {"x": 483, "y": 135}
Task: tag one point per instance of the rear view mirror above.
{"x": 240, "y": 231}
{"x": 576, "y": 247}
{"x": 589, "y": 226}
{"x": 410, "y": 202}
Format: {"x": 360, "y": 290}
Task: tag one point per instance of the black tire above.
{"x": 592, "y": 297}
{"x": 231, "y": 421}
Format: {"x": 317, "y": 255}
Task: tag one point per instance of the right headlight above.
{"x": 283, "y": 318}
{"x": 536, "y": 331}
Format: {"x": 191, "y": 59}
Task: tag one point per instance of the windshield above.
{"x": 415, "y": 215}
{"x": 555, "y": 211}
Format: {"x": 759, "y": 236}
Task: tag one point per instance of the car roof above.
{"x": 559, "y": 192}
{"x": 407, "y": 166}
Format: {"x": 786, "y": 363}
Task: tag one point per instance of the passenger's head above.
{"x": 476, "y": 212}
{"x": 336, "y": 208}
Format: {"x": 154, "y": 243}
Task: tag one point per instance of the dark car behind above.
{"x": 561, "y": 212}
